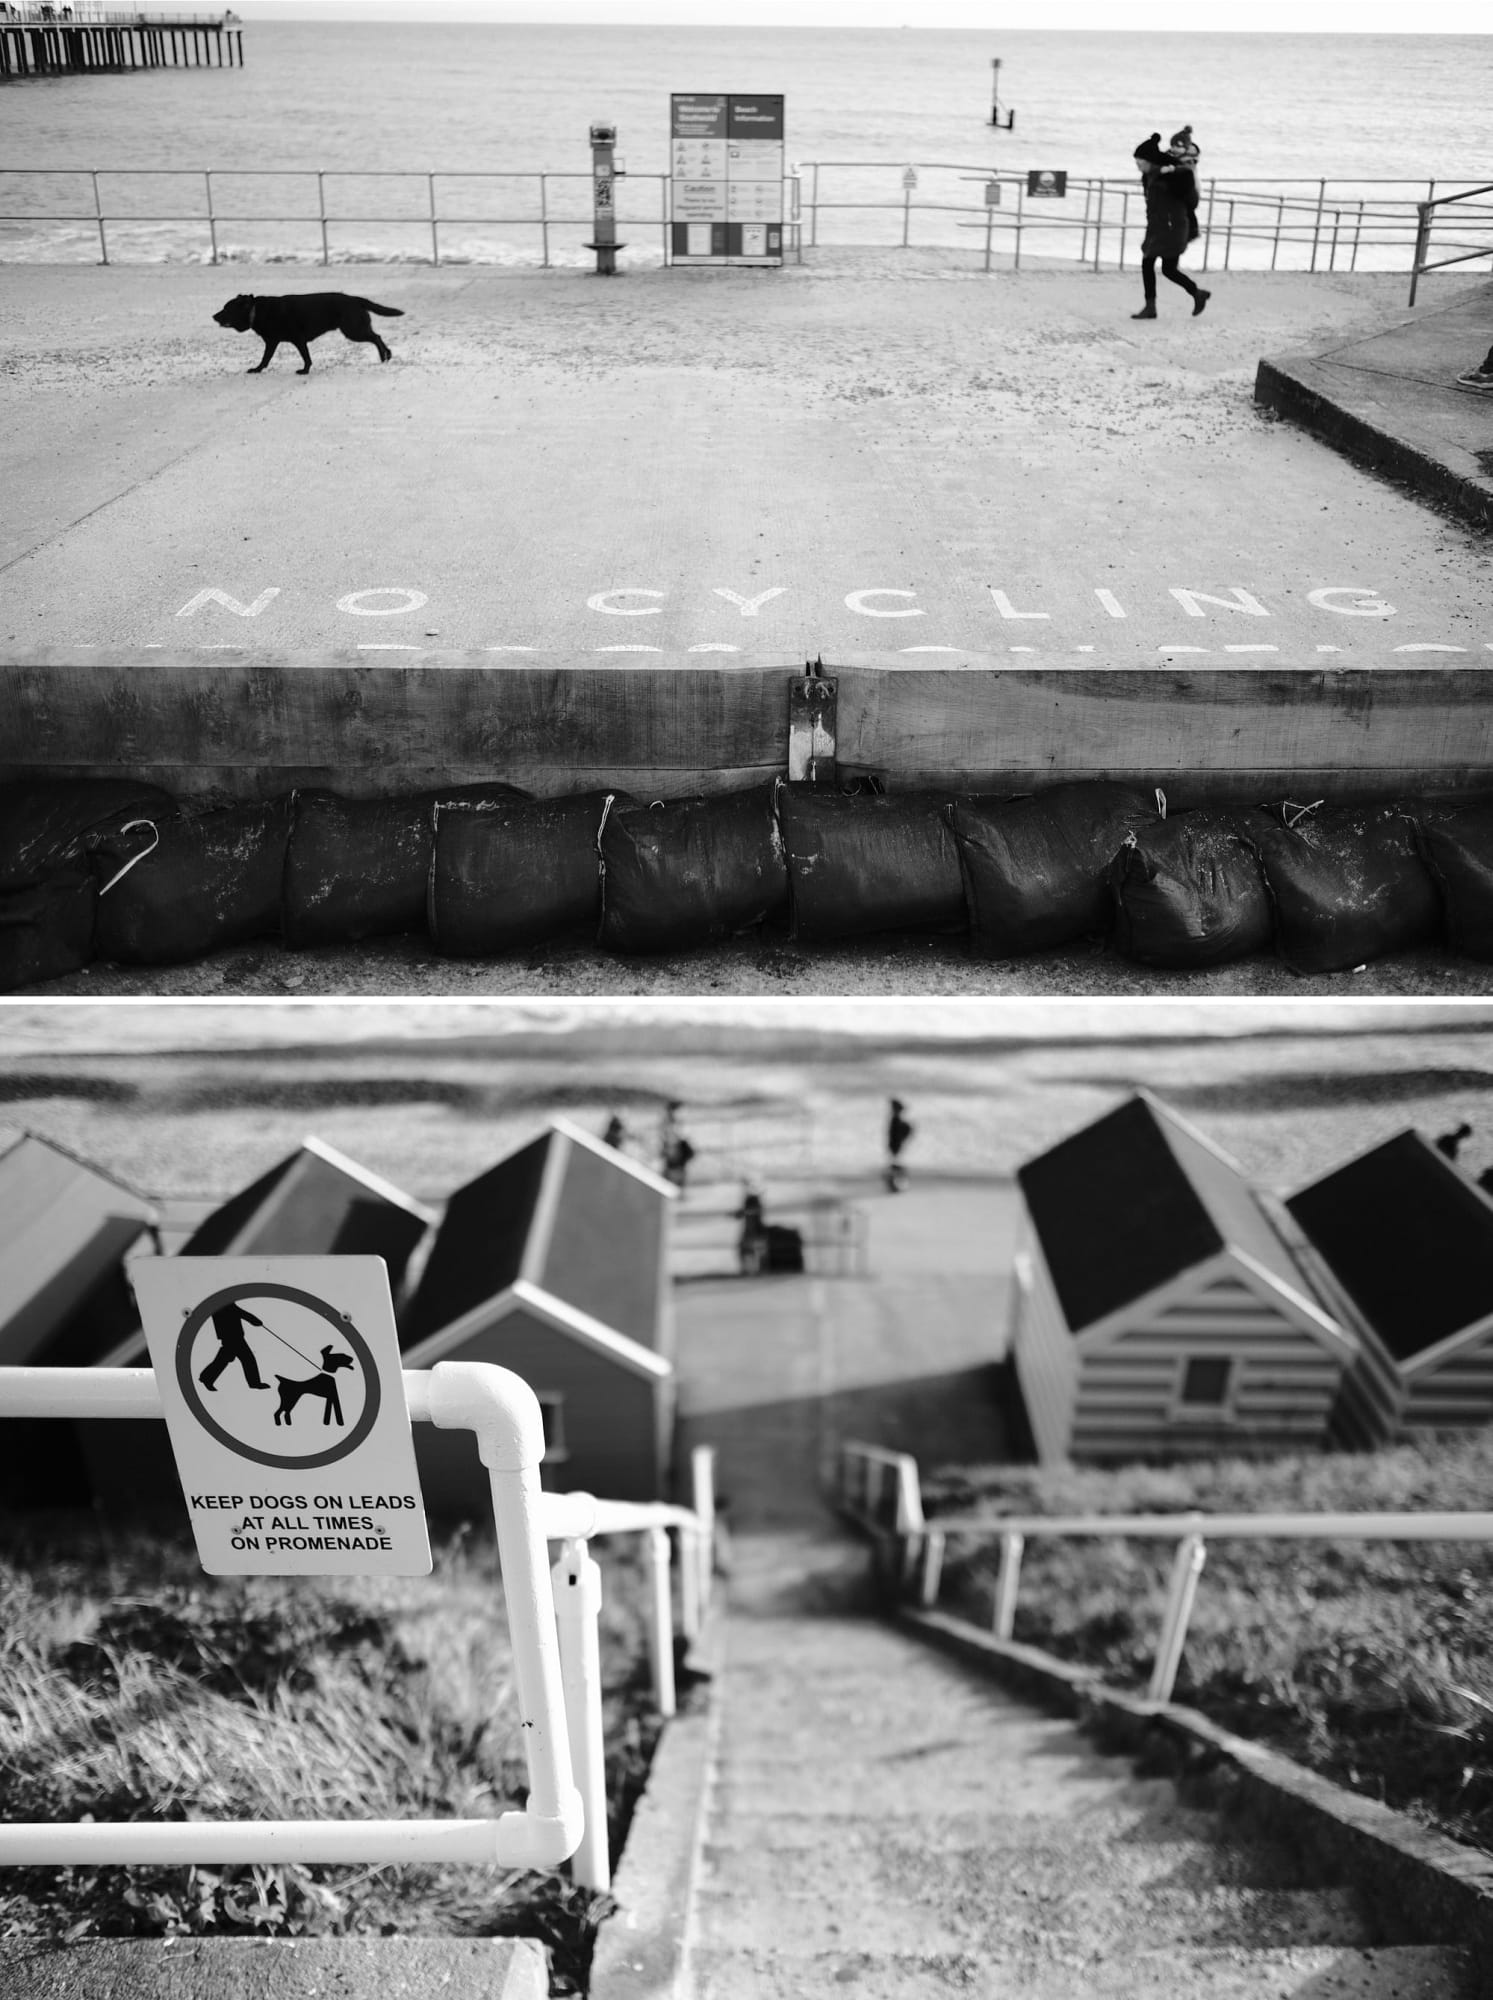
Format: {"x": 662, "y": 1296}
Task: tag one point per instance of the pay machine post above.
{"x": 283, "y": 1391}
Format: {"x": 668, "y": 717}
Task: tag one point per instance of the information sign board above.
{"x": 283, "y": 1392}
{"x": 1051, "y": 182}
{"x": 726, "y": 168}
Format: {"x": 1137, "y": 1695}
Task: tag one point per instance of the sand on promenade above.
{"x": 888, "y": 422}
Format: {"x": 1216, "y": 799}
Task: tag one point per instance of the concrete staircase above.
{"x": 880, "y": 1822}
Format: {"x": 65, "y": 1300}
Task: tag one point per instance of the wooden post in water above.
{"x": 1001, "y": 123}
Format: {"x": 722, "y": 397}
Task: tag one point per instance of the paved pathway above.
{"x": 865, "y": 454}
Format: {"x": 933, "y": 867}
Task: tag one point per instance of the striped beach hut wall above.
{"x": 316, "y": 1202}
{"x": 1159, "y": 1310}
{"x": 554, "y": 1263}
{"x": 65, "y": 1230}
{"x": 1405, "y": 1243}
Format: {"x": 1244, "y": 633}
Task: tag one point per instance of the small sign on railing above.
{"x": 283, "y": 1392}
{"x": 1051, "y": 182}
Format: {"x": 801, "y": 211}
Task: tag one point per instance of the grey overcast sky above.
{"x": 1453, "y": 17}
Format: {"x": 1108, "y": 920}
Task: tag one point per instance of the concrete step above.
{"x": 1401, "y": 1972}
{"x": 1010, "y": 1912}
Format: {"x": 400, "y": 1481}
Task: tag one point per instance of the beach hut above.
{"x": 1405, "y": 1242}
{"x": 1159, "y": 1309}
{"x": 316, "y": 1202}
{"x": 554, "y": 1263}
{"x": 65, "y": 1229}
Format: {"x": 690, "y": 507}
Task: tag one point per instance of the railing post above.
{"x": 1192, "y": 1553}
{"x": 932, "y": 1570}
{"x": 1422, "y": 243}
{"x": 435, "y": 245}
{"x": 103, "y": 242}
{"x": 1208, "y": 222}
{"x": 689, "y": 1589}
{"x": 212, "y": 223}
{"x": 544, "y": 225}
{"x": 1003, "y": 1621}
{"x": 1317, "y": 226}
{"x": 577, "y": 1586}
{"x": 1020, "y": 193}
{"x": 660, "y": 1622}
{"x": 321, "y": 203}
{"x": 702, "y": 1502}
{"x": 1099, "y": 227}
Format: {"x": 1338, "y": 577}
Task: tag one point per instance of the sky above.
{"x": 1460, "y": 17}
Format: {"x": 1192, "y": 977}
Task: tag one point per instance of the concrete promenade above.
{"x": 869, "y": 452}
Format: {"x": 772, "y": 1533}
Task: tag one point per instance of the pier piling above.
{"x": 90, "y": 40}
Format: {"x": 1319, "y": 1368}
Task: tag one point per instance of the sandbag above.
{"x": 512, "y": 872}
{"x": 46, "y": 928}
{"x": 1189, "y": 891}
{"x": 44, "y": 823}
{"x": 866, "y": 863}
{"x": 1346, "y": 882}
{"x": 1036, "y": 868}
{"x": 360, "y": 868}
{"x": 1456, "y": 844}
{"x": 681, "y": 874}
{"x": 176, "y": 889}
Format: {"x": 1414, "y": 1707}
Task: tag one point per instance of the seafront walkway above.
{"x": 870, "y": 452}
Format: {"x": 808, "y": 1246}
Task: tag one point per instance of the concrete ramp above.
{"x": 1388, "y": 399}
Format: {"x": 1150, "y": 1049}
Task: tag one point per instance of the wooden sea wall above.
{"x": 249, "y": 725}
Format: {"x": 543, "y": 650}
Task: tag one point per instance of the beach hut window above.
{"x": 1205, "y": 1382}
{"x": 552, "y": 1410}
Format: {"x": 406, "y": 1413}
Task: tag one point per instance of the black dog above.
{"x": 302, "y": 317}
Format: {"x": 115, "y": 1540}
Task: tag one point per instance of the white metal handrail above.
{"x": 925, "y": 1545}
{"x": 552, "y": 1619}
{"x": 879, "y": 1488}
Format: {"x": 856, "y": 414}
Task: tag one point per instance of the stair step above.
{"x": 1176, "y": 1846}
{"x": 1396, "y": 1972}
{"x": 1020, "y": 1912}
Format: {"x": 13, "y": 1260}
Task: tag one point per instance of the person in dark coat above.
{"x": 1450, "y": 1143}
{"x": 898, "y": 1132}
{"x": 1170, "y": 182}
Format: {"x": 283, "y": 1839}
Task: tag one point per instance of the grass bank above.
{"x": 1369, "y": 1662}
{"x": 133, "y": 1687}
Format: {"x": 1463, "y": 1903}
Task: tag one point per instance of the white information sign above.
{"x": 283, "y": 1392}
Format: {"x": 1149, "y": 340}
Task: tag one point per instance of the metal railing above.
{"x": 552, "y": 1618}
{"x": 1313, "y": 225}
{"x": 543, "y": 212}
{"x": 924, "y": 1545}
{"x": 1469, "y": 212}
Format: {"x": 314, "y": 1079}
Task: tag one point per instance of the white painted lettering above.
{"x": 856, "y": 601}
{"x": 711, "y": 646}
{"x": 1191, "y": 600}
{"x": 602, "y": 601}
{"x": 1365, "y": 603}
{"x": 750, "y": 606}
{"x": 1004, "y": 606}
{"x": 1111, "y": 603}
{"x": 354, "y": 602}
{"x": 229, "y": 603}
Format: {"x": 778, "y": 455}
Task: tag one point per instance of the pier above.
{"x": 93, "y": 41}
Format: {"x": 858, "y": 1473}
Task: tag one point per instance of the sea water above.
{"x": 462, "y": 100}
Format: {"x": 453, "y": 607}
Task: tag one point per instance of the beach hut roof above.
{"x": 1135, "y": 1200}
{"x": 1408, "y": 1237}
{"x": 314, "y": 1203}
{"x": 562, "y": 1216}
{"x": 64, "y": 1226}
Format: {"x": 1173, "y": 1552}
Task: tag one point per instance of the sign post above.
{"x": 726, "y": 179}
{"x": 283, "y": 1392}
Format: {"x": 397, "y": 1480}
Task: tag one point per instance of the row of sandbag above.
{"x": 110, "y": 870}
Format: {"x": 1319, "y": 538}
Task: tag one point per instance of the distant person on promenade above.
{"x": 615, "y": 1135}
{"x": 898, "y": 1132}
{"x": 1169, "y": 180}
{"x": 1450, "y": 1143}
{"x": 751, "y": 1245}
{"x": 675, "y": 1150}
{"x": 1479, "y": 379}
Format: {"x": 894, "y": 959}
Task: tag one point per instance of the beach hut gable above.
{"x": 519, "y": 1296}
{"x": 621, "y": 1162}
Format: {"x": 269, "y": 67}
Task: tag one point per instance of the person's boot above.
{"x": 1147, "y": 311}
{"x": 1199, "y": 299}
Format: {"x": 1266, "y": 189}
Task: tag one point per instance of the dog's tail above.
{"x": 389, "y": 312}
